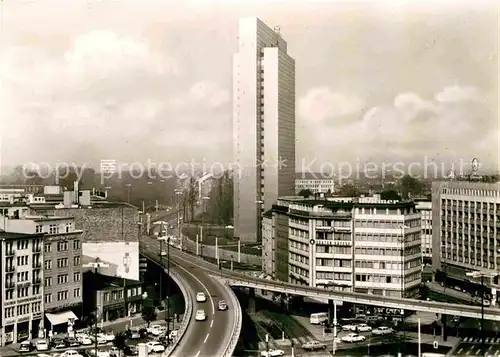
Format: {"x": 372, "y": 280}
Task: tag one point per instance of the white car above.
{"x": 155, "y": 347}
{"x": 363, "y": 328}
{"x": 200, "y": 297}
{"x": 272, "y": 353}
{"x": 382, "y": 330}
{"x": 313, "y": 346}
{"x": 100, "y": 353}
{"x": 174, "y": 334}
{"x": 84, "y": 340}
{"x": 101, "y": 339}
{"x": 200, "y": 315}
{"x": 109, "y": 336}
{"x": 71, "y": 353}
{"x": 42, "y": 345}
{"x": 156, "y": 330}
{"x": 43, "y": 355}
{"x": 353, "y": 337}
{"x": 349, "y": 327}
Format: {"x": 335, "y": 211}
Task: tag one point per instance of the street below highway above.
{"x": 202, "y": 338}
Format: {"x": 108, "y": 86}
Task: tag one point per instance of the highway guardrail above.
{"x": 235, "y": 336}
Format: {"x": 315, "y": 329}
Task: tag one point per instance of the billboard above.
{"x": 122, "y": 258}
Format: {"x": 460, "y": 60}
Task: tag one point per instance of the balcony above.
{"x": 36, "y": 281}
{"x": 10, "y": 268}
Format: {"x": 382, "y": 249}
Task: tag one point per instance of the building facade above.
{"x": 466, "y": 229}
{"x": 315, "y": 183}
{"x": 425, "y": 209}
{"x": 263, "y": 125}
{"x": 363, "y": 245}
{"x": 21, "y": 274}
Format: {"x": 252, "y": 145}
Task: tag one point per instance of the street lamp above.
{"x": 204, "y": 200}
{"x": 96, "y": 265}
{"x": 482, "y": 275}
{"x": 167, "y": 239}
{"x": 179, "y": 228}
{"x": 128, "y": 192}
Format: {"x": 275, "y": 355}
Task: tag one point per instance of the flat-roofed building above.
{"x": 316, "y": 183}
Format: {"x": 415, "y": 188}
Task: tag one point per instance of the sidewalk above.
{"x": 115, "y": 326}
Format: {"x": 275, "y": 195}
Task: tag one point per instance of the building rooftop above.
{"x": 106, "y": 282}
{"x": 313, "y": 176}
{"x": 10, "y": 235}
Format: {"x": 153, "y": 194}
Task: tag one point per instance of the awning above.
{"x": 61, "y": 318}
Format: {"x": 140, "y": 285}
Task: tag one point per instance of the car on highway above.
{"x": 353, "y": 337}
{"x": 349, "y": 327}
{"x": 272, "y": 353}
{"x": 155, "y": 347}
{"x": 201, "y": 315}
{"x": 313, "y": 346}
{"x": 200, "y": 297}
{"x": 222, "y": 305}
{"x": 382, "y": 330}
{"x": 42, "y": 345}
{"x": 363, "y": 328}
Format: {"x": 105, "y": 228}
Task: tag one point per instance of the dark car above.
{"x": 71, "y": 342}
{"x": 58, "y": 342}
{"x": 131, "y": 350}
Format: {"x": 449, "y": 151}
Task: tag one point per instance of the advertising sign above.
{"x": 122, "y": 258}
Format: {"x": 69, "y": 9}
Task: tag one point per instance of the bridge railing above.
{"x": 238, "y": 321}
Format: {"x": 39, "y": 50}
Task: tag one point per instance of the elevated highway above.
{"x": 236, "y": 279}
{"x": 213, "y": 337}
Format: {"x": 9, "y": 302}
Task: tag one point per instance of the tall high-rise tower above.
{"x": 263, "y": 124}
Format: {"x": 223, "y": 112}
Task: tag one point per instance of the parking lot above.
{"x": 471, "y": 346}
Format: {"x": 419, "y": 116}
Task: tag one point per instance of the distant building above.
{"x": 21, "y": 298}
{"x": 263, "y": 125}
{"x": 466, "y": 230}
{"x": 316, "y": 183}
{"x": 425, "y": 209}
{"x": 205, "y": 186}
{"x": 344, "y": 244}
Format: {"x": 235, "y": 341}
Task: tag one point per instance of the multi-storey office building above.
{"x": 466, "y": 229}
{"x": 61, "y": 262}
{"x": 316, "y": 183}
{"x": 425, "y": 209}
{"x": 362, "y": 245}
{"x": 263, "y": 125}
{"x": 21, "y": 298}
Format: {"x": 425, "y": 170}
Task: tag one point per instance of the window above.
{"x": 76, "y": 276}
{"x": 47, "y": 247}
{"x": 9, "y": 294}
{"x": 62, "y": 279}
{"x": 62, "y": 262}
{"x": 76, "y": 261}
{"x": 76, "y": 293}
{"x": 47, "y": 264}
{"x": 62, "y": 295}
{"x": 22, "y": 292}
{"x": 35, "y": 289}
{"x": 48, "y": 281}
{"x": 105, "y": 297}
{"x": 68, "y": 227}
{"x": 39, "y": 229}
{"x": 48, "y": 298}
{"x": 53, "y": 229}
{"x": 36, "y": 307}
{"x": 76, "y": 244}
{"x": 22, "y": 260}
{"x": 62, "y": 246}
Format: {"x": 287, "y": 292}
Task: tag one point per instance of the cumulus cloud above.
{"x": 455, "y": 94}
{"x": 323, "y": 103}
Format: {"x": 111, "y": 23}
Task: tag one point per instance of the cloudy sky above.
{"x": 82, "y": 81}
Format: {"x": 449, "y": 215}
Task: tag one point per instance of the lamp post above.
{"x": 204, "y": 200}
{"x": 128, "y": 192}
{"x": 179, "y": 228}
{"x": 96, "y": 265}
{"x": 482, "y": 275}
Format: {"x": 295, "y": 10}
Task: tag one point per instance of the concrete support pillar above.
{"x": 30, "y": 330}
{"x": 444, "y": 332}
{"x": 251, "y": 300}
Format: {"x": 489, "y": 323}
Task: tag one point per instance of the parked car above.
{"x": 42, "y": 345}
{"x": 131, "y": 350}
{"x": 110, "y": 336}
{"x": 222, "y": 305}
{"x": 101, "y": 339}
{"x": 353, "y": 337}
{"x": 349, "y": 327}
{"x": 156, "y": 330}
{"x": 200, "y": 297}
{"x": 134, "y": 333}
{"x": 84, "y": 340}
{"x": 25, "y": 346}
{"x": 155, "y": 347}
{"x": 313, "y": 346}
{"x": 363, "y": 328}
{"x": 114, "y": 352}
{"x": 71, "y": 353}
{"x": 71, "y": 342}
{"x": 201, "y": 315}
{"x": 58, "y": 342}
{"x": 272, "y": 353}
{"x": 382, "y": 330}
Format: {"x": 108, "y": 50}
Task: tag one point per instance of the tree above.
{"x": 390, "y": 195}
{"x": 410, "y": 187}
{"x": 305, "y": 193}
{"x": 348, "y": 190}
{"x": 148, "y": 310}
{"x": 120, "y": 340}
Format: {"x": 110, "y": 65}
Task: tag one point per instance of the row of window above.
{"x": 387, "y": 224}
{"x": 394, "y": 252}
{"x": 298, "y": 270}
{"x": 338, "y": 263}
{"x": 62, "y": 246}
{"x": 62, "y": 279}
{"x": 387, "y": 238}
{"x": 62, "y": 295}
{"x": 387, "y": 279}
{"x": 62, "y": 263}
{"x": 330, "y": 276}
{"x": 23, "y": 309}
{"x": 22, "y": 292}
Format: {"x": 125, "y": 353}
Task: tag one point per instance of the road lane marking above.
{"x": 211, "y": 323}
{"x": 198, "y": 354}
{"x": 460, "y": 350}
{"x": 206, "y": 338}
